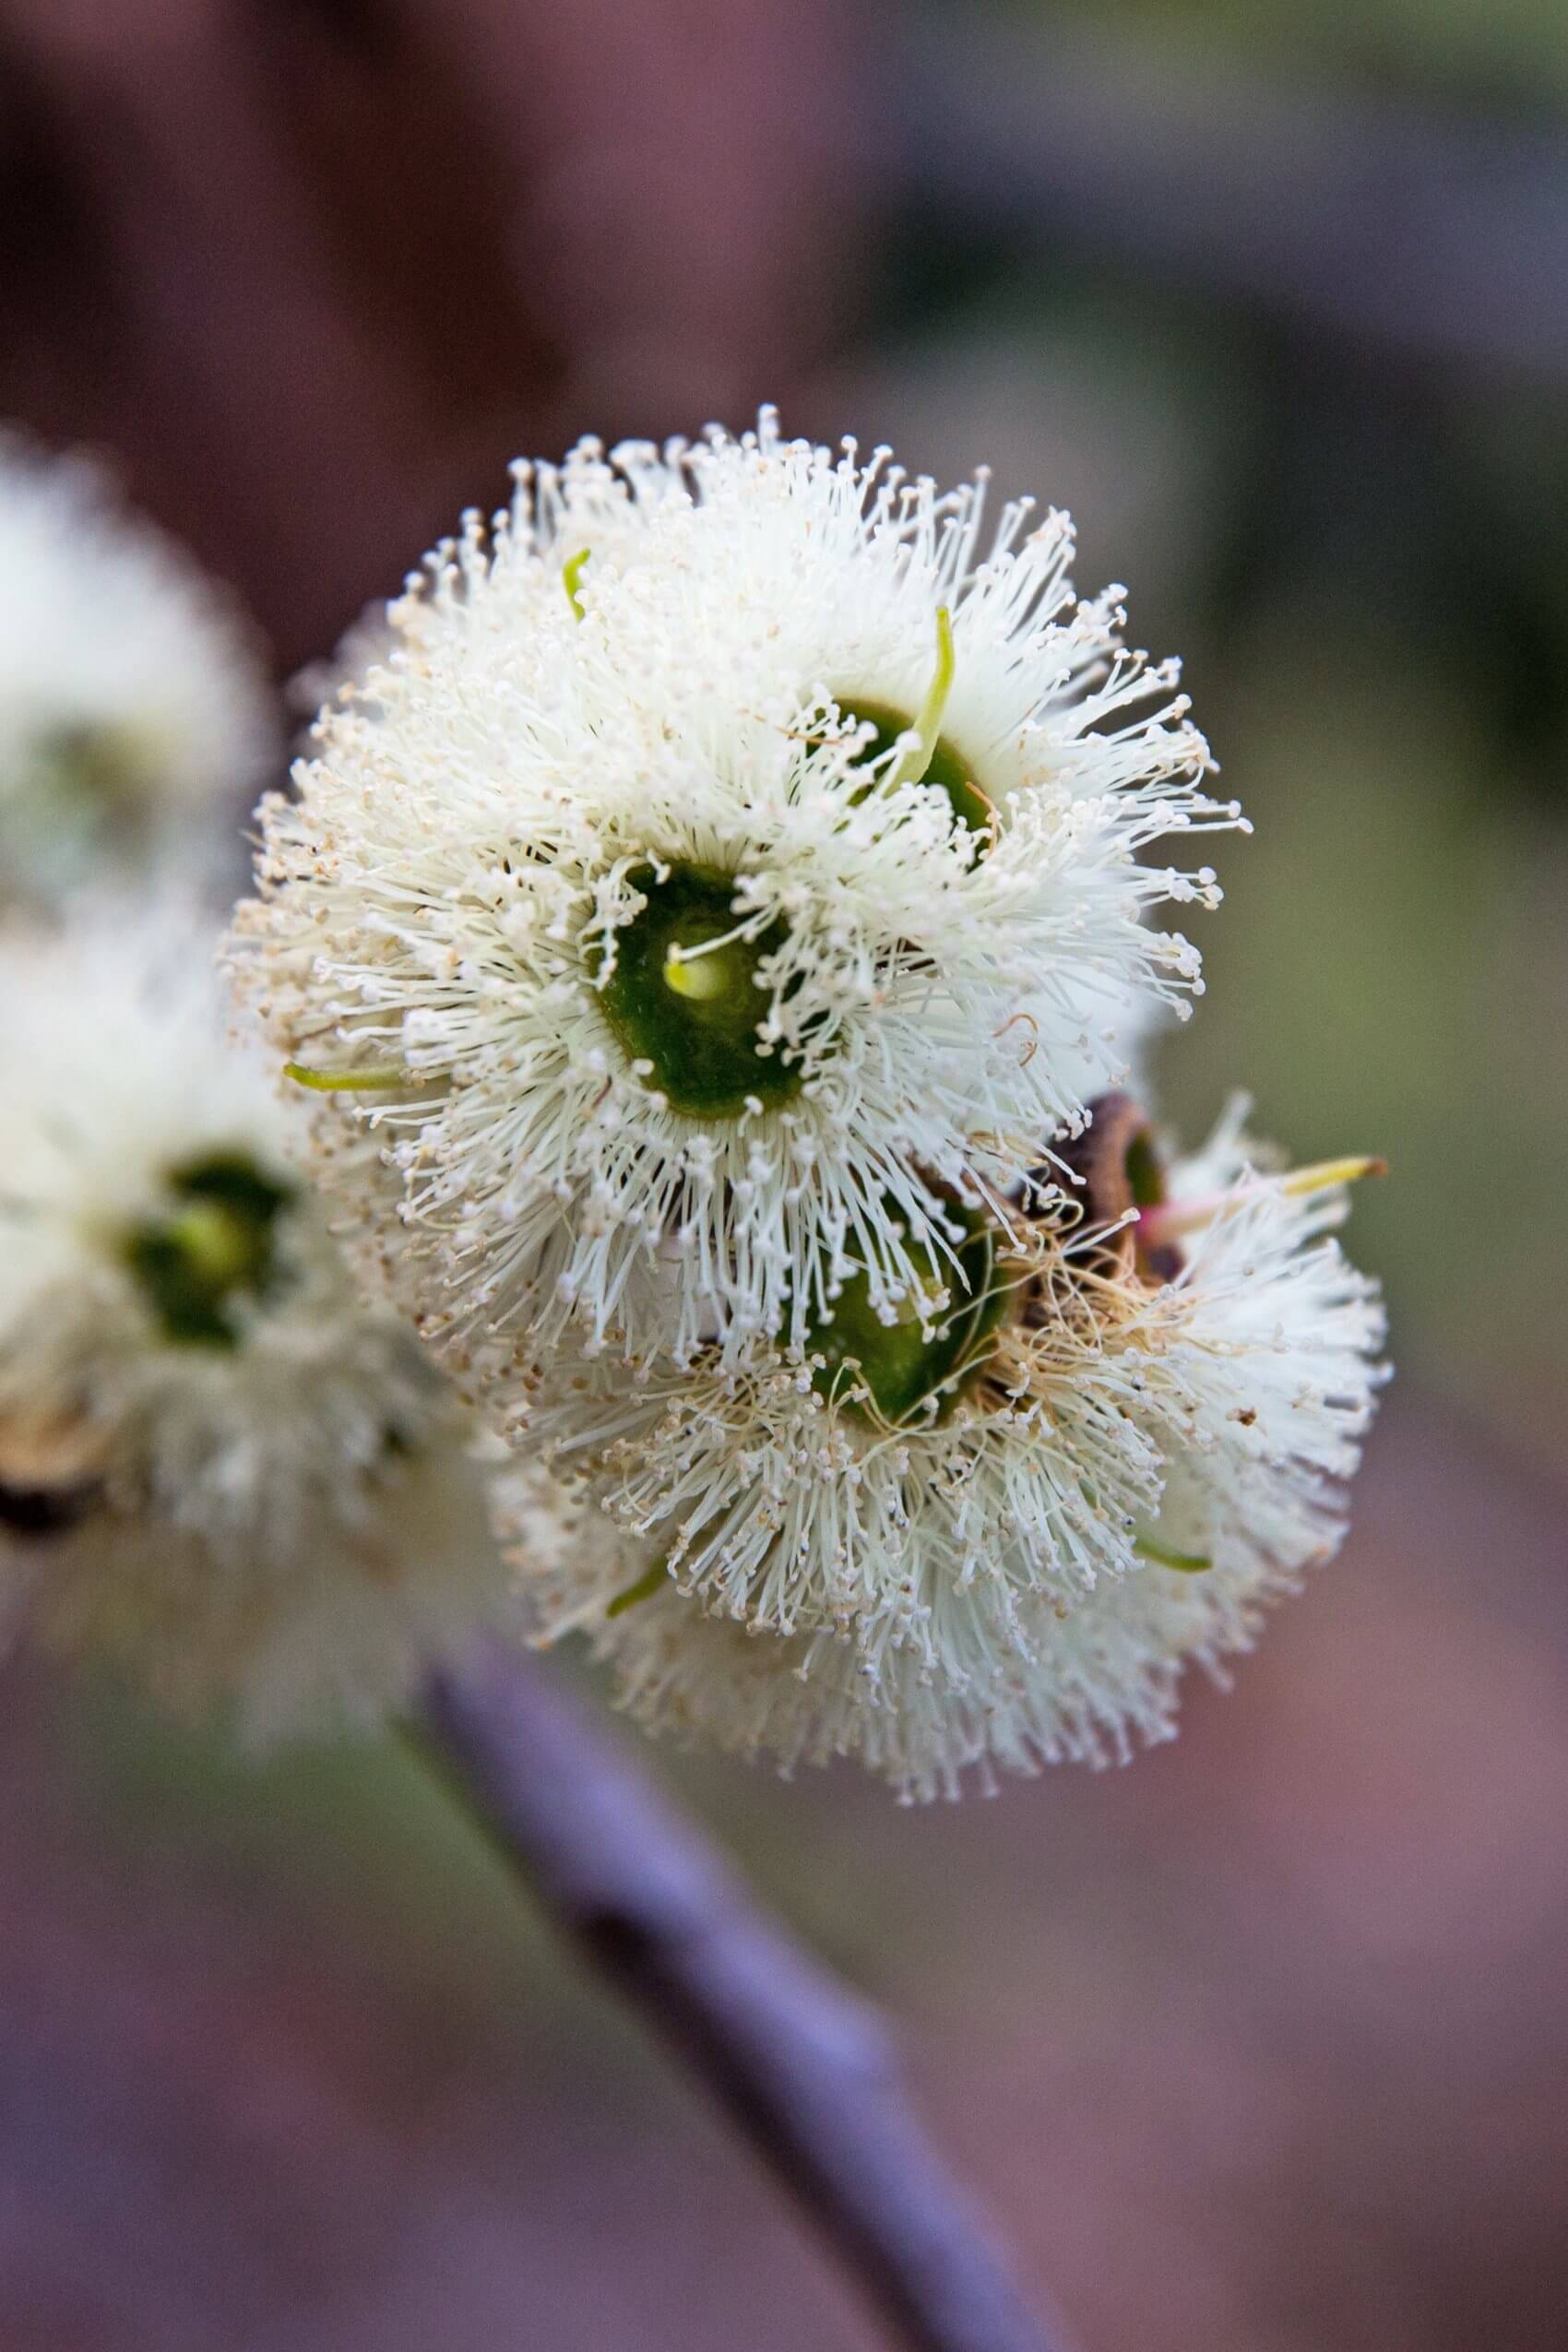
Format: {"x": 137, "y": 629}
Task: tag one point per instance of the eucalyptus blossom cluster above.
{"x": 716, "y": 934}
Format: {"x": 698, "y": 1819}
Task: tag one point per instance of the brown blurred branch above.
{"x": 806, "y": 2070}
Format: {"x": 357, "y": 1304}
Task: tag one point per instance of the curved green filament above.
{"x": 931, "y": 759}
{"x": 571, "y": 578}
{"x": 1186, "y": 1563}
{"x": 650, "y": 1582}
{"x": 911, "y": 766}
{"x": 344, "y": 1081}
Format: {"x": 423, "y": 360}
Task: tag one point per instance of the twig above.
{"x": 806, "y": 2069}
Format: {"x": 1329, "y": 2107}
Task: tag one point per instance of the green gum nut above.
{"x": 696, "y": 1016}
{"x": 907, "y": 1375}
{"x": 945, "y": 771}
{"x": 217, "y": 1244}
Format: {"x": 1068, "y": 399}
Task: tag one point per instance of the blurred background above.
{"x": 1262, "y": 2045}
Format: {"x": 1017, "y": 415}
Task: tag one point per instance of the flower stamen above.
{"x": 1165, "y": 1221}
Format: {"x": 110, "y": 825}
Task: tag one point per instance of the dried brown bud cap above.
{"x": 1118, "y": 1167}
{"x": 51, "y": 1471}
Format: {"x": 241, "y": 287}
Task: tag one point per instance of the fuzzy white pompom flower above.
{"x": 731, "y": 831}
{"x": 135, "y": 713}
{"x": 1149, "y": 1445}
{"x": 217, "y": 1463}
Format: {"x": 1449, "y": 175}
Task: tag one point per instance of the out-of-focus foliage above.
{"x": 1516, "y": 47}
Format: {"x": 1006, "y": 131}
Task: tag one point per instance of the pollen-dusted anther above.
{"x": 913, "y": 1368}
{"x": 51, "y": 1472}
{"x": 687, "y": 992}
{"x": 1117, "y": 1162}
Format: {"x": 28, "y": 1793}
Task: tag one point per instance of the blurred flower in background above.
{"x": 217, "y": 1464}
{"x": 136, "y": 716}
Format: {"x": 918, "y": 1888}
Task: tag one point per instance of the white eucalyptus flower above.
{"x": 997, "y": 1540}
{"x": 217, "y": 1464}
{"x": 135, "y": 712}
{"x": 730, "y": 832}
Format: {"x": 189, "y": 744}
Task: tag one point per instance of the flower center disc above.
{"x": 902, "y": 1368}
{"x": 217, "y": 1243}
{"x": 691, "y": 1008}
{"x": 945, "y": 771}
